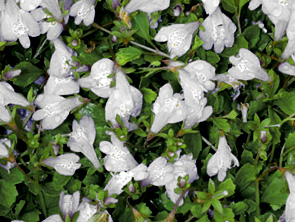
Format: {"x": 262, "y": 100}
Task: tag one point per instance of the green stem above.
{"x": 40, "y": 194}
{"x": 171, "y": 216}
{"x": 238, "y": 17}
{"x": 257, "y": 197}
{"x": 208, "y": 143}
{"x": 134, "y": 43}
{"x": 40, "y": 48}
{"x": 272, "y": 152}
{"x": 23, "y": 172}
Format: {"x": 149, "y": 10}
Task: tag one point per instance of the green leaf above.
{"x": 245, "y": 176}
{"x": 290, "y": 141}
{"x": 221, "y": 124}
{"x": 194, "y": 143}
{"x": 252, "y": 35}
{"x": 212, "y": 57}
{"x": 217, "y": 206}
{"x": 28, "y": 75}
{"x": 287, "y": 102}
{"x": 211, "y": 187}
{"x": 229, "y": 5}
{"x": 32, "y": 216}
{"x": 241, "y": 4}
{"x": 8, "y": 193}
{"x": 196, "y": 210}
{"x": 227, "y": 185}
{"x": 141, "y": 23}
{"x": 227, "y": 215}
{"x": 232, "y": 115}
{"x": 239, "y": 207}
{"x": 59, "y": 181}
{"x": 19, "y": 207}
{"x": 128, "y": 54}
{"x": 148, "y": 95}
{"x": 143, "y": 209}
{"x": 14, "y": 177}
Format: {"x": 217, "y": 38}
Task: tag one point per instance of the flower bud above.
{"x": 177, "y": 10}
{"x": 263, "y": 136}
{"x": 131, "y": 188}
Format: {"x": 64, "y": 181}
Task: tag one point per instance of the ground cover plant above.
{"x": 137, "y": 110}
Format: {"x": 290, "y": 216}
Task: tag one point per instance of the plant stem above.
{"x": 134, "y": 43}
{"x": 23, "y": 172}
{"x": 208, "y": 143}
{"x": 171, "y": 216}
{"x": 257, "y": 197}
{"x": 238, "y": 17}
{"x": 40, "y": 194}
{"x": 40, "y": 48}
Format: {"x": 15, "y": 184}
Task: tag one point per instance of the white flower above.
{"x": 219, "y": 31}
{"x": 53, "y": 218}
{"x": 125, "y": 101}
{"x": 247, "y": 66}
{"x": 86, "y": 211}
{"x": 290, "y": 47}
{"x": 18, "y": 24}
{"x": 210, "y": 5}
{"x": 61, "y": 61}
{"x": 178, "y": 36}
{"x": 254, "y": 4}
{"x": 83, "y": 10}
{"x": 54, "y": 109}
{"x": 65, "y": 164}
{"x": 182, "y": 167}
{"x": 82, "y": 139}
{"x": 160, "y": 173}
{"x": 29, "y": 5}
{"x": 118, "y": 181}
{"x": 290, "y": 203}
{"x": 118, "y": 158}
{"x": 287, "y": 68}
{"x": 98, "y": 80}
{"x": 279, "y": 12}
{"x": 61, "y": 86}
{"x": 8, "y": 96}
{"x": 68, "y": 204}
{"x": 148, "y": 6}
{"x": 4, "y": 144}
{"x": 222, "y": 160}
{"x": 244, "y": 109}
{"x": 168, "y": 108}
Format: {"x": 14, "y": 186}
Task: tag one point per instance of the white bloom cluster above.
{"x": 290, "y": 203}
{"x": 55, "y": 108}
{"x": 31, "y": 18}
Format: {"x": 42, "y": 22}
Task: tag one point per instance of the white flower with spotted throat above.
{"x": 247, "y": 66}
{"x": 82, "y": 139}
{"x": 178, "y": 36}
{"x": 222, "y": 160}
{"x": 219, "y": 31}
{"x": 118, "y": 158}
{"x": 168, "y": 108}
{"x": 98, "y": 80}
{"x": 83, "y": 10}
{"x": 65, "y": 164}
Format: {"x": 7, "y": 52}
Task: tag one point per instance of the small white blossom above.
{"x": 290, "y": 203}
{"x": 61, "y": 86}
{"x": 197, "y": 111}
{"x": 182, "y": 167}
{"x": 83, "y": 10}
{"x": 118, "y": 158}
{"x": 222, "y": 160}
{"x": 279, "y": 12}
{"x": 53, "y": 218}
{"x": 178, "y": 36}
{"x": 210, "y": 5}
{"x": 98, "y": 80}
{"x": 68, "y": 204}
{"x": 244, "y": 109}
{"x": 86, "y": 211}
{"x": 219, "y": 31}
{"x": 290, "y": 47}
{"x": 148, "y": 6}
{"x": 118, "y": 181}
{"x": 4, "y": 144}
{"x": 29, "y": 5}
{"x": 247, "y": 66}
{"x": 18, "y": 24}
{"x": 125, "y": 101}
{"x": 54, "y": 109}
{"x": 82, "y": 139}
{"x": 254, "y": 4}
{"x": 65, "y": 164}
{"x": 287, "y": 68}
{"x": 160, "y": 173}
{"x": 8, "y": 96}
{"x": 168, "y": 108}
